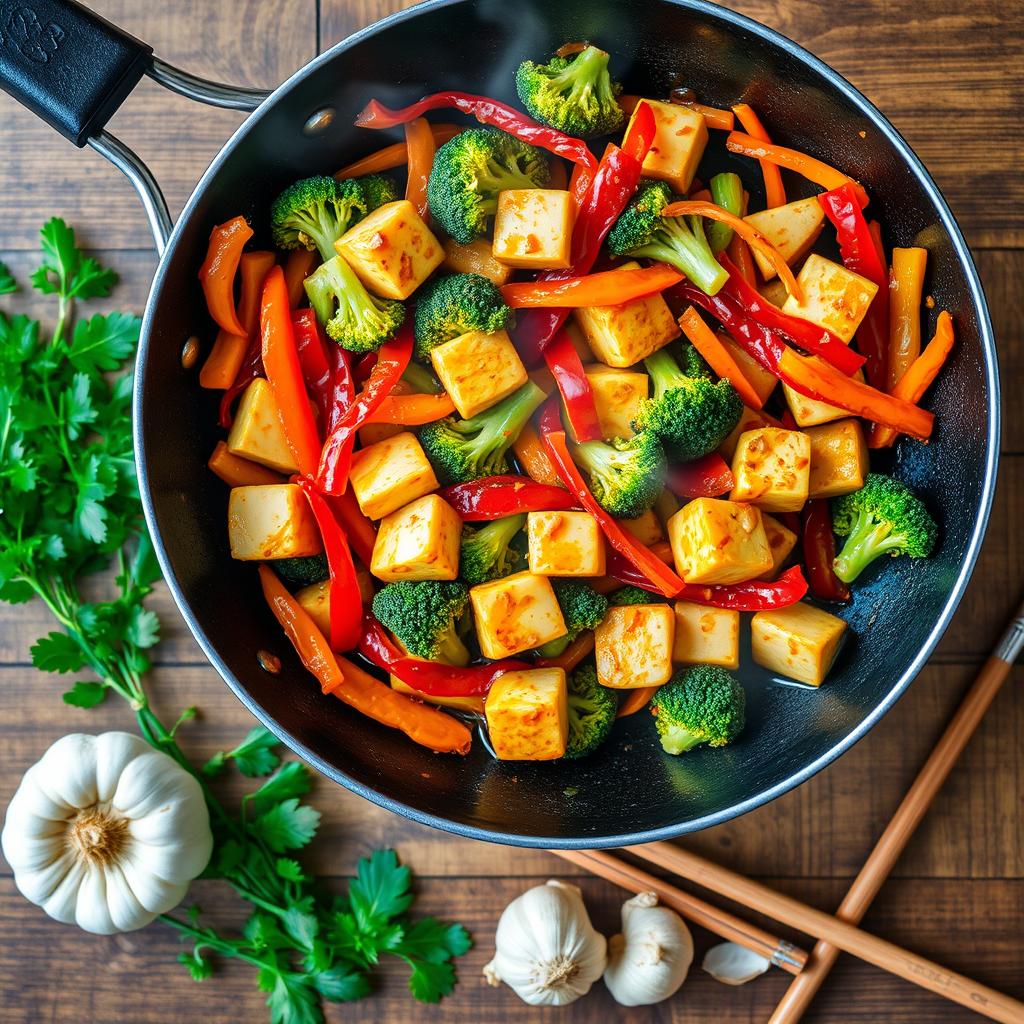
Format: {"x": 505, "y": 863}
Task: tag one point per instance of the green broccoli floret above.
{"x": 703, "y": 704}
{"x": 582, "y": 608}
{"x": 634, "y": 595}
{"x": 626, "y": 477}
{"x": 316, "y": 212}
{"x": 355, "y": 319}
{"x": 726, "y": 192}
{"x": 301, "y": 572}
{"x": 641, "y": 230}
{"x": 462, "y": 450}
{"x": 378, "y": 190}
{"x": 486, "y": 552}
{"x": 691, "y": 415}
{"x": 471, "y": 169}
{"x": 883, "y": 517}
{"x": 574, "y": 94}
{"x": 425, "y": 617}
{"x": 454, "y": 305}
{"x": 592, "y": 711}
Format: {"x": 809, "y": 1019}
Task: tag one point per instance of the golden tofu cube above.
{"x": 809, "y": 412}
{"x": 799, "y": 642}
{"x": 617, "y": 397}
{"x": 515, "y": 614}
{"x": 781, "y": 540}
{"x": 834, "y": 298}
{"x": 389, "y": 474}
{"x": 256, "y": 433}
{"x": 528, "y": 715}
{"x": 475, "y": 258}
{"x": 680, "y": 137}
{"x": 761, "y": 380}
{"x": 374, "y": 432}
{"x": 772, "y": 469}
{"x": 633, "y": 646}
{"x": 565, "y": 544}
{"x": 418, "y": 542}
{"x": 706, "y": 636}
{"x": 391, "y": 250}
{"x": 839, "y": 458}
{"x": 533, "y": 228}
{"x": 646, "y": 528}
{"x": 750, "y": 419}
{"x": 717, "y": 541}
{"x": 792, "y": 229}
{"x": 623, "y": 335}
{"x": 474, "y": 705}
{"x": 271, "y": 521}
{"x": 478, "y": 370}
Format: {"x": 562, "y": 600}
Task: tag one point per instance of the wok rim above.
{"x": 764, "y": 796}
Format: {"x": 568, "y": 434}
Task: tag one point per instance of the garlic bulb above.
{"x": 546, "y": 949}
{"x": 733, "y": 964}
{"x": 106, "y": 832}
{"x": 648, "y": 961}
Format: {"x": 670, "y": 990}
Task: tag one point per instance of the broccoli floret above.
{"x": 425, "y": 617}
{"x": 883, "y": 517}
{"x": 574, "y": 94}
{"x": 454, "y": 305}
{"x": 316, "y": 212}
{"x": 355, "y": 319}
{"x": 378, "y": 190}
{"x": 592, "y": 711}
{"x": 691, "y": 415}
{"x": 462, "y": 450}
{"x": 641, "y": 230}
{"x": 626, "y": 477}
{"x": 301, "y": 572}
{"x": 486, "y": 551}
{"x": 582, "y": 608}
{"x": 634, "y": 595}
{"x": 703, "y": 704}
{"x": 471, "y": 169}
{"x": 726, "y": 192}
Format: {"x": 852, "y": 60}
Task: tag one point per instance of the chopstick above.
{"x": 780, "y": 952}
{"x": 845, "y": 936}
{"x": 908, "y": 816}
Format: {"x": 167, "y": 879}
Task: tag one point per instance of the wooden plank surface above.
{"x": 950, "y": 79}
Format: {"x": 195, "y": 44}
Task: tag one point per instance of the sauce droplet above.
{"x": 269, "y": 662}
{"x": 190, "y": 353}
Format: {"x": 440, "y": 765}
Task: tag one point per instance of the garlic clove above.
{"x": 733, "y": 964}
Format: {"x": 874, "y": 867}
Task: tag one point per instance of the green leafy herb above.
{"x": 7, "y": 282}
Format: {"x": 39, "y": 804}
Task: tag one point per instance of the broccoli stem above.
{"x": 501, "y": 532}
{"x": 681, "y": 243}
{"x": 554, "y": 648}
{"x": 585, "y": 75}
{"x": 726, "y": 192}
{"x": 664, "y": 372}
{"x": 334, "y": 283}
{"x": 421, "y": 380}
{"x": 451, "y": 650}
{"x": 867, "y": 541}
{"x": 501, "y": 424}
{"x": 495, "y": 179}
{"x": 677, "y": 740}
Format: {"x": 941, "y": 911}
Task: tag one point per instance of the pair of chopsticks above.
{"x": 839, "y": 932}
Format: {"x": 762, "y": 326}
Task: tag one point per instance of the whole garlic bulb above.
{"x": 546, "y": 949}
{"x": 648, "y": 961}
{"x": 105, "y": 832}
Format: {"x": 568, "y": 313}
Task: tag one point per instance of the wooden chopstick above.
{"x": 908, "y": 816}
{"x": 780, "y": 952}
{"x": 845, "y": 936}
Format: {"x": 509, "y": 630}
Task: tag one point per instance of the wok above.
{"x": 74, "y": 69}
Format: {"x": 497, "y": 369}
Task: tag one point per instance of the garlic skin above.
{"x": 105, "y": 832}
{"x": 649, "y": 960}
{"x": 546, "y": 949}
{"x": 733, "y": 964}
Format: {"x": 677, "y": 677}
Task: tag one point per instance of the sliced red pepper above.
{"x": 754, "y": 596}
{"x": 495, "y": 497}
{"x": 610, "y": 288}
{"x": 703, "y": 478}
{"x": 361, "y": 532}
{"x": 574, "y": 386}
{"x": 819, "y": 548}
{"x": 313, "y": 358}
{"x": 640, "y": 134}
{"x": 486, "y": 111}
{"x": 363, "y": 367}
{"x": 217, "y": 274}
{"x": 342, "y": 390}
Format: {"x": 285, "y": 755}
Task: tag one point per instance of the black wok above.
{"x": 74, "y": 70}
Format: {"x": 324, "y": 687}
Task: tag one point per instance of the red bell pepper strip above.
{"x": 345, "y": 601}
{"x": 313, "y": 358}
{"x": 819, "y": 548}
{"x": 217, "y": 274}
{"x": 336, "y": 458}
{"x": 486, "y": 111}
{"x": 574, "y": 386}
{"x": 363, "y": 367}
{"x": 611, "y": 288}
{"x": 284, "y": 374}
{"x": 342, "y": 390}
{"x": 495, "y": 497}
{"x": 361, "y": 532}
{"x": 703, "y": 478}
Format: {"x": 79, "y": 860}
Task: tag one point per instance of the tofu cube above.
{"x": 772, "y": 469}
{"x": 775, "y": 291}
{"x": 528, "y": 715}
{"x": 717, "y": 541}
{"x": 799, "y": 642}
{"x": 792, "y": 229}
{"x": 646, "y": 528}
{"x": 256, "y": 433}
{"x": 834, "y": 298}
{"x": 565, "y": 544}
{"x": 418, "y": 542}
{"x": 475, "y": 258}
{"x": 533, "y": 228}
{"x": 391, "y": 250}
{"x": 515, "y": 614}
{"x": 706, "y": 636}
{"x": 750, "y": 419}
{"x": 839, "y": 458}
{"x": 271, "y": 521}
{"x": 781, "y": 541}
{"x": 761, "y": 380}
{"x": 617, "y": 396}
{"x": 474, "y": 705}
{"x": 389, "y": 474}
{"x": 633, "y": 646}
{"x": 680, "y": 137}
{"x": 623, "y": 335}
{"x": 809, "y": 412}
{"x": 478, "y": 370}
{"x": 374, "y": 432}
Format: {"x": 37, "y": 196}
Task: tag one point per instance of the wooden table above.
{"x": 950, "y": 77}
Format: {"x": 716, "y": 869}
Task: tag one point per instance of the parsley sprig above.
{"x": 69, "y": 507}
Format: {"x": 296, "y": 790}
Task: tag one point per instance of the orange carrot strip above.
{"x": 223, "y": 363}
{"x": 252, "y": 270}
{"x": 412, "y": 410}
{"x": 703, "y": 196}
{"x": 775, "y": 193}
{"x": 419, "y": 141}
{"x": 238, "y": 472}
{"x": 532, "y": 456}
{"x": 636, "y": 700}
{"x": 572, "y": 655}
{"x": 609, "y": 288}
{"x": 297, "y": 268}
{"x": 217, "y": 274}
{"x": 906, "y": 283}
{"x": 723, "y": 120}
{"x": 396, "y": 155}
{"x": 718, "y": 357}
